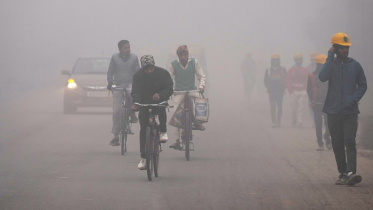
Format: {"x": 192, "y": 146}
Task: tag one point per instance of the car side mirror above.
{"x": 65, "y": 72}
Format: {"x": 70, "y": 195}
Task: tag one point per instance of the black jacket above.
{"x": 144, "y": 86}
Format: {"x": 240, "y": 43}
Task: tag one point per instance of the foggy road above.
{"x": 49, "y": 160}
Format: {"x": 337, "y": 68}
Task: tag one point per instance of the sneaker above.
{"x": 329, "y": 146}
{"x": 142, "y": 164}
{"x": 320, "y": 148}
{"x": 163, "y": 137}
{"x": 342, "y": 179}
{"x": 114, "y": 141}
{"x": 175, "y": 145}
{"x": 353, "y": 179}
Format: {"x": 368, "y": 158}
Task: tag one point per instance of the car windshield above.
{"x": 92, "y": 66}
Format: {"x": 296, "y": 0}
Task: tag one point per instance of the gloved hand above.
{"x": 109, "y": 85}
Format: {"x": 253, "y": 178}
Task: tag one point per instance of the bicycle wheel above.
{"x": 157, "y": 149}
{"x": 187, "y": 134}
{"x": 123, "y": 132}
{"x": 149, "y": 154}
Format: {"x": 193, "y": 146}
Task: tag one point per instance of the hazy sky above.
{"x": 47, "y": 33}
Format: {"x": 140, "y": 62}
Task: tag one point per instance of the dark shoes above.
{"x": 353, "y": 179}
{"x": 348, "y": 179}
{"x": 114, "y": 141}
{"x": 342, "y": 179}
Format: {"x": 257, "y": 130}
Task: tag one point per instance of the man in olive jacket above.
{"x": 347, "y": 85}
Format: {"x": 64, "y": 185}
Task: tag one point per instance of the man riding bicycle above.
{"x": 184, "y": 70}
{"x": 121, "y": 69}
{"x": 151, "y": 85}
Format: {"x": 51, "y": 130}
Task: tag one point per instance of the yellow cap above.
{"x": 341, "y": 39}
{"x": 275, "y": 56}
{"x": 298, "y": 56}
{"x": 320, "y": 58}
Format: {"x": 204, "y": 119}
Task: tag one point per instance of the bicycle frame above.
{"x": 125, "y": 125}
{"x": 186, "y": 134}
{"x": 153, "y": 145}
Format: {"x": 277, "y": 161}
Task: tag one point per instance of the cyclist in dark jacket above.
{"x": 316, "y": 91}
{"x": 347, "y": 85}
{"x": 151, "y": 85}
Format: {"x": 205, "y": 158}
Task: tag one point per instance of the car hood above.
{"x": 90, "y": 79}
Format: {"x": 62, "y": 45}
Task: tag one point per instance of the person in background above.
{"x": 312, "y": 66}
{"x": 316, "y": 91}
{"x": 274, "y": 81}
{"x": 296, "y": 84}
{"x": 347, "y": 85}
{"x": 121, "y": 69}
{"x": 248, "y": 71}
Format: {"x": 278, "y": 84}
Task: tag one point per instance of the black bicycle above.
{"x": 125, "y": 125}
{"x": 153, "y": 145}
{"x": 186, "y": 134}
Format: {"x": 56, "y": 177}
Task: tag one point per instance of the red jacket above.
{"x": 296, "y": 79}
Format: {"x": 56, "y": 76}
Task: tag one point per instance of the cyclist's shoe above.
{"x": 199, "y": 127}
{"x": 342, "y": 179}
{"x": 134, "y": 120}
{"x": 175, "y": 145}
{"x": 142, "y": 164}
{"x": 163, "y": 137}
{"x": 115, "y": 141}
{"x": 353, "y": 179}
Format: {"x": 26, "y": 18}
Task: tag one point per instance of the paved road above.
{"x": 49, "y": 160}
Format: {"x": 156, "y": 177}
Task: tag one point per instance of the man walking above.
{"x": 274, "y": 81}
{"x": 121, "y": 69}
{"x": 316, "y": 91}
{"x": 296, "y": 84}
{"x": 347, "y": 85}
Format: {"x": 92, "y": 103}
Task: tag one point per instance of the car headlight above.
{"x": 71, "y": 84}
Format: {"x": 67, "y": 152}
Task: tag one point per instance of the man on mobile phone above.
{"x": 347, "y": 85}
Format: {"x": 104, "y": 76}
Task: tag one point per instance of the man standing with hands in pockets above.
{"x": 347, "y": 85}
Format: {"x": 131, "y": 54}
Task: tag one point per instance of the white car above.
{"x": 86, "y": 85}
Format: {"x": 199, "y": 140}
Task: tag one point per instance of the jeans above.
{"x": 321, "y": 118}
{"x": 275, "y": 101}
{"x": 117, "y": 104}
{"x": 144, "y": 123}
{"x": 343, "y": 130}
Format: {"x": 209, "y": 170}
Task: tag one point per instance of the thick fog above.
{"x": 42, "y": 37}
{"x": 52, "y": 160}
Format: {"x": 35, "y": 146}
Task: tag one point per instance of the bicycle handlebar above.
{"x": 164, "y": 103}
{"x": 187, "y": 91}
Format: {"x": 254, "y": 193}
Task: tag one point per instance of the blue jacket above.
{"x": 347, "y": 85}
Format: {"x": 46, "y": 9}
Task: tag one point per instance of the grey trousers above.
{"x": 117, "y": 104}
{"x": 343, "y": 130}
